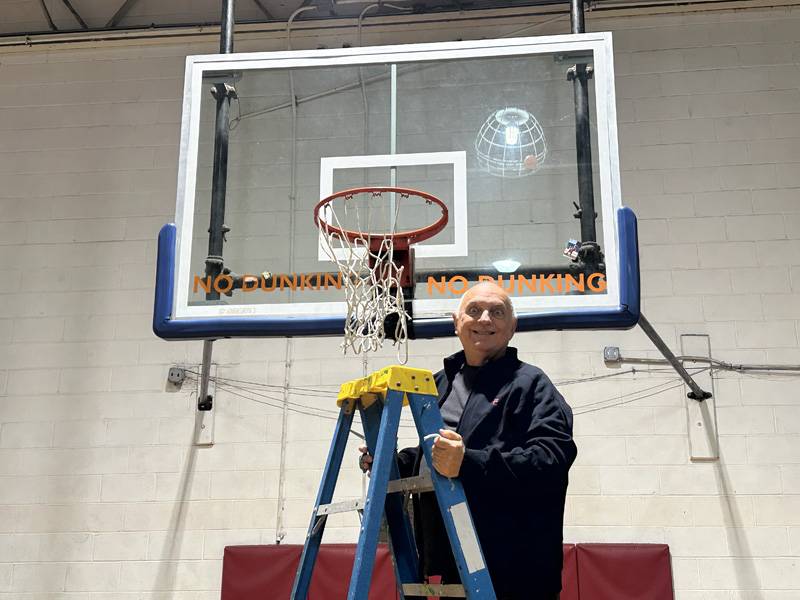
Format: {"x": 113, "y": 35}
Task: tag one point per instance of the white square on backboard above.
{"x": 458, "y": 217}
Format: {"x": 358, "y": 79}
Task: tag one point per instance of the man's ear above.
{"x": 455, "y": 321}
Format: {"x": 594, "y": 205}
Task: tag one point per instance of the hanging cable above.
{"x": 329, "y": 414}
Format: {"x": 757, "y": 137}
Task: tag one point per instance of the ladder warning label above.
{"x": 467, "y": 537}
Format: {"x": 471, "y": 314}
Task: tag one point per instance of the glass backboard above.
{"x": 488, "y": 127}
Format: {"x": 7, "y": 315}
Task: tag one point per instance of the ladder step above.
{"x": 340, "y": 507}
{"x": 429, "y": 589}
{"x": 420, "y": 483}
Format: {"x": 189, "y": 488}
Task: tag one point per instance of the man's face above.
{"x": 485, "y": 323}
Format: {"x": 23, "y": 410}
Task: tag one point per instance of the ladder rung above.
{"x": 420, "y": 483}
{"x": 340, "y": 507}
{"x": 429, "y": 589}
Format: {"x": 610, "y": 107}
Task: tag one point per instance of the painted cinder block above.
{"x": 758, "y": 334}
{"x": 30, "y": 434}
{"x": 120, "y": 546}
{"x": 657, "y": 450}
{"x": 702, "y": 281}
{"x": 93, "y": 576}
{"x": 19, "y": 547}
{"x": 39, "y": 578}
{"x": 755, "y": 228}
{"x": 744, "y": 307}
{"x": 774, "y": 449}
{"x": 128, "y": 487}
{"x": 765, "y": 280}
{"x": 173, "y": 545}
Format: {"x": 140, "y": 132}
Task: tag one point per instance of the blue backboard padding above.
{"x": 221, "y": 327}
{"x": 623, "y": 317}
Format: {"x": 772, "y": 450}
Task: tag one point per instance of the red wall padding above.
{"x": 591, "y": 572}
{"x": 267, "y": 573}
{"x": 622, "y": 571}
{"x": 569, "y": 574}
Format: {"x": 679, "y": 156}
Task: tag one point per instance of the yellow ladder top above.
{"x": 393, "y": 377}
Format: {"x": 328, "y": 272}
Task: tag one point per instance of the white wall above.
{"x": 102, "y": 494}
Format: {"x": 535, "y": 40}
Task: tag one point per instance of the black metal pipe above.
{"x": 222, "y": 93}
{"x": 580, "y": 74}
{"x": 576, "y": 17}
{"x": 226, "y": 27}
{"x": 583, "y": 147}
{"x": 217, "y": 228}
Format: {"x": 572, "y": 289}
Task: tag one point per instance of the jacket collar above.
{"x": 494, "y": 371}
{"x": 453, "y": 364}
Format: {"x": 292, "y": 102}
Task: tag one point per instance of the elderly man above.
{"x": 508, "y": 438}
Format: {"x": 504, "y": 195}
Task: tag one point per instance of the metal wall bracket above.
{"x": 204, "y": 417}
{"x": 702, "y": 416}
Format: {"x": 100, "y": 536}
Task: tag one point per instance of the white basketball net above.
{"x": 370, "y": 278}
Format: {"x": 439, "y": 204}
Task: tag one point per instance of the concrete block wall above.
{"x": 103, "y": 495}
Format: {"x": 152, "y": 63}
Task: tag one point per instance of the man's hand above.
{"x": 448, "y": 453}
{"x": 365, "y": 460}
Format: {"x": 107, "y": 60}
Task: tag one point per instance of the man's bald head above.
{"x": 489, "y": 286}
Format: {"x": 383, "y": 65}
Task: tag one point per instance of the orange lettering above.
{"x": 203, "y": 283}
{"x": 601, "y": 286}
{"x": 227, "y": 279}
{"x": 264, "y": 279}
{"x": 579, "y": 285}
{"x": 461, "y": 280}
{"x": 531, "y": 285}
{"x": 305, "y": 281}
{"x": 249, "y": 279}
{"x": 334, "y": 281}
{"x": 510, "y": 287}
{"x": 440, "y": 285}
{"x": 286, "y": 281}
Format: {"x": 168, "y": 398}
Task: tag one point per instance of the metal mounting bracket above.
{"x": 206, "y": 389}
{"x": 702, "y": 416}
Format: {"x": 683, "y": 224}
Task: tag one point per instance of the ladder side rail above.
{"x": 382, "y": 457}
{"x": 327, "y": 486}
{"x": 401, "y": 537}
{"x": 453, "y": 505}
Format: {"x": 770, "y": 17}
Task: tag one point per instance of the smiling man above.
{"x": 508, "y": 438}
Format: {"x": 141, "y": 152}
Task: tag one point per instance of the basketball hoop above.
{"x": 376, "y": 261}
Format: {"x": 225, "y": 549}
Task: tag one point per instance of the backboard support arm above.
{"x": 697, "y": 392}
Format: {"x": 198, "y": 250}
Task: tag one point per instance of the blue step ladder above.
{"x": 380, "y": 398}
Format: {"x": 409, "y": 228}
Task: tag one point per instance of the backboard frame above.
{"x": 174, "y": 318}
